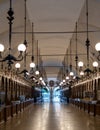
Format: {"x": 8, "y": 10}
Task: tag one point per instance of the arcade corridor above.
{"x": 53, "y": 116}
{"x": 49, "y": 64}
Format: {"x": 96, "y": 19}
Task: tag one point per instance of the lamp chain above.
{"x": 32, "y": 42}
{"x": 87, "y": 40}
{"x": 70, "y": 57}
{"x": 76, "y": 57}
{"x": 10, "y": 18}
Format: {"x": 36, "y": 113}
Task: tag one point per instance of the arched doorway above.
{"x": 56, "y": 94}
{"x": 45, "y": 94}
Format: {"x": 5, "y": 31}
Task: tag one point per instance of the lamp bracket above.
{"x": 22, "y": 72}
{"x": 10, "y": 57}
{"x": 88, "y": 71}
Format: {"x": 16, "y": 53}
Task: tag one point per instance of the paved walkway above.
{"x": 52, "y": 116}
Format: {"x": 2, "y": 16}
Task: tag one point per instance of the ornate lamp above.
{"x": 87, "y": 70}
{"x": 21, "y": 48}
{"x": 95, "y": 65}
{"x": 67, "y": 72}
{"x": 71, "y": 72}
{"x": 40, "y": 78}
{"x": 24, "y": 71}
{"x": 97, "y": 47}
{"x": 67, "y": 77}
{"x": 32, "y": 64}
{"x": 17, "y": 65}
{"x": 37, "y": 67}
{"x": 37, "y": 72}
{"x": 81, "y": 73}
{"x": 76, "y": 59}
{"x": 80, "y": 65}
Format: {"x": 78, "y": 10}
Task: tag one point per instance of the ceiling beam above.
{"x": 65, "y": 32}
{"x": 58, "y": 54}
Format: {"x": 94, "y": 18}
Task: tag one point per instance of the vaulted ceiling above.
{"x": 54, "y": 24}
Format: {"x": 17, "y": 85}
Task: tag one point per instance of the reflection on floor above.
{"x": 52, "y": 116}
{"x": 52, "y": 113}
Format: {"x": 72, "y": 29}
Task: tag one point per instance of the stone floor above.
{"x": 52, "y": 116}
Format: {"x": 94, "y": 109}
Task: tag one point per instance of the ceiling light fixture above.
{"x": 87, "y": 70}
{"x": 97, "y": 47}
{"x": 71, "y": 73}
{"x": 24, "y": 71}
{"x": 21, "y": 48}
{"x": 32, "y": 64}
{"x": 81, "y": 73}
{"x": 80, "y": 65}
{"x": 37, "y": 66}
{"x": 95, "y": 65}
{"x": 67, "y": 72}
{"x": 76, "y": 59}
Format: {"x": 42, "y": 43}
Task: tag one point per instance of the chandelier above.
{"x": 10, "y": 59}
{"x": 32, "y": 64}
{"x": 76, "y": 58}
{"x": 17, "y": 65}
{"x": 37, "y": 66}
{"x": 97, "y": 47}
{"x": 87, "y": 70}
{"x": 71, "y": 72}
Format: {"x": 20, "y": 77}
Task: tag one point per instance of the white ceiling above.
{"x": 50, "y": 16}
{"x": 53, "y": 16}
